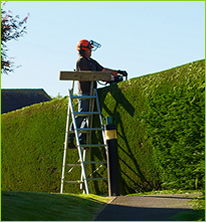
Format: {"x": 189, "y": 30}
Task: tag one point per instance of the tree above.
{"x": 12, "y": 27}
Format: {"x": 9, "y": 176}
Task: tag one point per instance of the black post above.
{"x": 112, "y": 158}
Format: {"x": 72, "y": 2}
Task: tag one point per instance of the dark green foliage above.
{"x": 125, "y": 102}
{"x": 176, "y": 122}
{"x": 160, "y": 127}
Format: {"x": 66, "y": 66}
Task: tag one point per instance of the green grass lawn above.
{"x": 33, "y": 206}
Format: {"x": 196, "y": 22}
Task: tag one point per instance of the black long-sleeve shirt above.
{"x": 84, "y": 64}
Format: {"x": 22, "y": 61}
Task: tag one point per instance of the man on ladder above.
{"x": 86, "y": 63}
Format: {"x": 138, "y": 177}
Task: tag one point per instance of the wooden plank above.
{"x": 85, "y": 76}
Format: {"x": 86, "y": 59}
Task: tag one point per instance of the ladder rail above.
{"x": 79, "y": 146}
{"x": 89, "y": 125}
{"x": 101, "y": 120}
{"x": 99, "y": 109}
{"x": 65, "y": 149}
{"x": 91, "y": 109}
{"x": 82, "y": 175}
{"x": 102, "y": 126}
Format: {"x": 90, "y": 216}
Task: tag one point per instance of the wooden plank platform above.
{"x": 85, "y": 76}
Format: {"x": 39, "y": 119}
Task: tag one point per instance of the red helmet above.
{"x": 84, "y": 45}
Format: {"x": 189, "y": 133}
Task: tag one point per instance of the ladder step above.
{"x": 85, "y": 113}
{"x": 73, "y": 165}
{"x": 93, "y": 145}
{"x": 88, "y": 129}
{"x": 83, "y": 97}
{"x": 87, "y": 162}
{"x": 102, "y": 161}
{"x": 97, "y": 178}
{"x": 78, "y": 181}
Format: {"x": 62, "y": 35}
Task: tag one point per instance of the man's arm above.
{"x": 114, "y": 72}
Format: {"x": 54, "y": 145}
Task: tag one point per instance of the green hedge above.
{"x": 160, "y": 126}
{"x": 32, "y": 140}
{"x": 176, "y": 123}
{"x": 125, "y": 102}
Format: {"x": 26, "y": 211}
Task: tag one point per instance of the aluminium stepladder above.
{"x": 83, "y": 153}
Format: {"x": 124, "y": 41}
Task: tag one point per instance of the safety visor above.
{"x": 94, "y": 45}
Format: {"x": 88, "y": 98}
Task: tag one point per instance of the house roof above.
{"x": 12, "y": 99}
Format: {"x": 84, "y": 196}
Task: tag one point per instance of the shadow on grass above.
{"x": 29, "y": 206}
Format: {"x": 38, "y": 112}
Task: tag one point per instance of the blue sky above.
{"x": 141, "y": 37}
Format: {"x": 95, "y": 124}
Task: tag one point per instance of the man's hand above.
{"x": 124, "y": 73}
